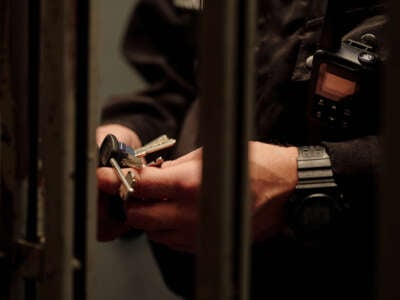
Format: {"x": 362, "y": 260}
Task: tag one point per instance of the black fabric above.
{"x": 161, "y": 44}
{"x": 151, "y": 46}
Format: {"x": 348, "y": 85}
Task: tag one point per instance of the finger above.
{"x": 153, "y": 216}
{"x": 108, "y": 181}
{"x": 172, "y": 182}
{"x": 194, "y": 155}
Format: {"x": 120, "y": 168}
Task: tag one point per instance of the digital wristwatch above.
{"x": 317, "y": 203}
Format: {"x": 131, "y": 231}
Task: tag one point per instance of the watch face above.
{"x": 317, "y": 210}
{"x": 315, "y": 213}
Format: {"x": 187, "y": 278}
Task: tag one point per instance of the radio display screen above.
{"x": 335, "y": 85}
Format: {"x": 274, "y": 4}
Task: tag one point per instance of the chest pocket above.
{"x": 360, "y": 20}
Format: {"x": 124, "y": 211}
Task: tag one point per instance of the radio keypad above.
{"x": 334, "y": 114}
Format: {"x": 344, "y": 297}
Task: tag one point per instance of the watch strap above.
{"x": 311, "y": 210}
{"x": 314, "y": 169}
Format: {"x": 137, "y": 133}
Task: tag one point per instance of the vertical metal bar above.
{"x": 8, "y": 160}
{"x": 20, "y": 101}
{"x": 25, "y": 61}
{"x": 57, "y": 144}
{"x": 246, "y": 92}
{"x": 93, "y": 119}
{"x": 34, "y": 208}
{"x": 227, "y": 95}
{"x": 217, "y": 91}
{"x": 32, "y": 230}
{"x": 86, "y": 156}
{"x": 388, "y": 257}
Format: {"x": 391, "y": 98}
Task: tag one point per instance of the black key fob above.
{"x": 109, "y": 149}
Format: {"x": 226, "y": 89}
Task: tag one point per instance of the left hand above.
{"x": 169, "y": 211}
{"x": 109, "y": 227}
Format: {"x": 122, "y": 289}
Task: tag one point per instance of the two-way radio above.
{"x": 343, "y": 101}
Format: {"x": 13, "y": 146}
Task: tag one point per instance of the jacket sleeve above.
{"x": 160, "y": 43}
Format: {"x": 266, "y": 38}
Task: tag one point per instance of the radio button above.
{"x": 347, "y": 112}
{"x": 318, "y": 114}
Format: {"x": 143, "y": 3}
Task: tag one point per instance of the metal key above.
{"x": 117, "y": 168}
{"x": 155, "y": 145}
{"x": 161, "y": 138}
{"x": 156, "y": 163}
{"x": 109, "y": 155}
{"x": 123, "y": 191}
{"x": 132, "y": 158}
{"x": 128, "y": 157}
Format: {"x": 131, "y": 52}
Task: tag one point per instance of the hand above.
{"x": 109, "y": 227}
{"x": 172, "y": 217}
{"x": 168, "y": 213}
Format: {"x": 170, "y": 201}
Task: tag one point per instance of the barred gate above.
{"x": 48, "y": 115}
{"x": 48, "y": 154}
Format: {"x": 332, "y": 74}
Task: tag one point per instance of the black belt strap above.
{"x": 334, "y": 25}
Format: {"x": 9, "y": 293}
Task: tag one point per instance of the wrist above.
{"x": 273, "y": 173}
{"x": 293, "y": 156}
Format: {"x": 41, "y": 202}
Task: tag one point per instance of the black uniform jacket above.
{"x": 161, "y": 44}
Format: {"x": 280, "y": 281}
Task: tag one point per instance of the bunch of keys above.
{"x": 118, "y": 155}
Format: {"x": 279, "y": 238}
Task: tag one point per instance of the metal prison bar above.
{"x": 49, "y": 112}
{"x": 227, "y": 93}
{"x": 388, "y": 238}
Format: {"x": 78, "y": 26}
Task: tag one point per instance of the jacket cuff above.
{"x": 356, "y": 159}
